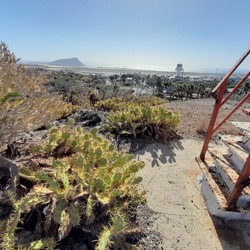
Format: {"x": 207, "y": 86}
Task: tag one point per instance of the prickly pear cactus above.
{"x": 87, "y": 179}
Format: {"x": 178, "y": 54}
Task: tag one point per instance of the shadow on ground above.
{"x": 160, "y": 153}
{"x": 232, "y": 235}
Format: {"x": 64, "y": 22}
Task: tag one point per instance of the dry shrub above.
{"x": 226, "y": 128}
{"x": 24, "y": 102}
{"x": 202, "y": 127}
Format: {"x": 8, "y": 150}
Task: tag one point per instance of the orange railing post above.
{"x": 241, "y": 183}
{"x": 213, "y": 120}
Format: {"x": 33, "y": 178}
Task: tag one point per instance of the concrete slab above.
{"x": 173, "y": 191}
{"x": 219, "y": 177}
{"x": 243, "y": 126}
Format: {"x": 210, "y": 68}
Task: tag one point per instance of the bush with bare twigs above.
{"x": 24, "y": 102}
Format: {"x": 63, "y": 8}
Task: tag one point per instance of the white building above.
{"x": 179, "y": 70}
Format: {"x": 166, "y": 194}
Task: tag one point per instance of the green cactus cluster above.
{"x": 20, "y": 206}
{"x": 114, "y": 103}
{"x": 149, "y": 101}
{"x": 119, "y": 104}
{"x": 155, "y": 122}
{"x": 144, "y": 116}
{"x": 94, "y": 164}
{"x": 86, "y": 173}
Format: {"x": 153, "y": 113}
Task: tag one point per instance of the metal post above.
{"x": 213, "y": 120}
{"x": 240, "y": 184}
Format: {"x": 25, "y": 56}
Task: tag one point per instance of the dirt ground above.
{"x": 195, "y": 115}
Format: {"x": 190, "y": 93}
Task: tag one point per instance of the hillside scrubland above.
{"x": 71, "y": 187}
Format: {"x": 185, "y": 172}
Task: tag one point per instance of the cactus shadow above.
{"x": 159, "y": 153}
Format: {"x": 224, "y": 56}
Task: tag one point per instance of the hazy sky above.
{"x": 153, "y": 34}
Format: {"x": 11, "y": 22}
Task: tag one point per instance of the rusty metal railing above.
{"x": 218, "y": 93}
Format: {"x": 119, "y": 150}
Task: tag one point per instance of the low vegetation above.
{"x": 121, "y": 103}
{"x": 85, "y": 181}
{"x": 73, "y": 87}
{"x": 73, "y": 179}
{"x": 139, "y": 117}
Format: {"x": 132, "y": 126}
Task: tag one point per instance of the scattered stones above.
{"x": 22, "y": 144}
{"x": 8, "y": 175}
{"x": 8, "y": 181}
{"x": 87, "y": 118}
{"x": 150, "y": 238}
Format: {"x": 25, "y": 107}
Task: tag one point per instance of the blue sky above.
{"x": 204, "y": 35}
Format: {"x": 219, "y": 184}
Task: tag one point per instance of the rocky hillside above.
{"x": 69, "y": 62}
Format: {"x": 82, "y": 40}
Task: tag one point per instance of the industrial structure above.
{"x": 179, "y": 70}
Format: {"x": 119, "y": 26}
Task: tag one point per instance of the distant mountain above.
{"x": 69, "y": 62}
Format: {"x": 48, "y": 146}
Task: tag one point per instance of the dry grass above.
{"x": 202, "y": 127}
{"x": 226, "y": 128}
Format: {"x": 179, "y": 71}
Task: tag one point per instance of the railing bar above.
{"x": 238, "y": 187}
{"x": 218, "y": 93}
{"x": 238, "y": 85}
{"x": 212, "y": 122}
{"x": 232, "y": 70}
{"x": 232, "y": 112}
